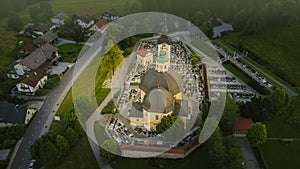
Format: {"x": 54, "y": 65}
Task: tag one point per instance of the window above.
{"x": 156, "y": 117}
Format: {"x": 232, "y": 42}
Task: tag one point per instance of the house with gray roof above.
{"x": 48, "y": 37}
{"x": 58, "y": 19}
{"x": 11, "y": 114}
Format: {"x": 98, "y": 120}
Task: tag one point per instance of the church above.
{"x": 160, "y": 91}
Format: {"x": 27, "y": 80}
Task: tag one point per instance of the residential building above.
{"x": 144, "y": 57}
{"x": 85, "y": 21}
{"x": 48, "y": 37}
{"x": 58, "y": 19}
{"x": 11, "y": 114}
{"x": 30, "y": 82}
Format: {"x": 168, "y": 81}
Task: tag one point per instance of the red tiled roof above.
{"x": 142, "y": 52}
{"x": 102, "y": 22}
{"x": 243, "y": 124}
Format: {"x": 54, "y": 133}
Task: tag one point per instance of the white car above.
{"x": 32, "y": 163}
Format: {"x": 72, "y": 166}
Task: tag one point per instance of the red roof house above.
{"x": 243, "y": 124}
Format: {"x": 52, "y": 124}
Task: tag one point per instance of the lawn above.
{"x": 277, "y": 154}
{"x": 69, "y": 52}
{"x": 278, "y": 127}
{"x": 280, "y": 155}
{"x": 245, "y": 78}
{"x": 276, "y": 49}
{"x": 196, "y": 160}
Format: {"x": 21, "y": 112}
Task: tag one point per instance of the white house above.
{"x": 31, "y": 81}
{"x": 85, "y": 21}
{"x": 99, "y": 25}
{"x": 58, "y": 19}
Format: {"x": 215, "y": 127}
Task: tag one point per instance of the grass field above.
{"x": 277, "y": 49}
{"x": 69, "y": 52}
{"x": 278, "y": 127}
{"x": 92, "y": 7}
{"x": 280, "y": 155}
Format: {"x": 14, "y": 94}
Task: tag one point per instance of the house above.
{"x": 11, "y": 114}
{"x": 27, "y": 49}
{"x": 85, "y": 21}
{"x": 42, "y": 28}
{"x": 31, "y": 81}
{"x": 110, "y": 15}
{"x": 243, "y": 124}
{"x": 58, "y": 19}
{"x": 99, "y": 25}
{"x": 28, "y": 27}
{"x": 40, "y": 56}
{"x": 33, "y": 61}
{"x": 144, "y": 57}
{"x": 48, "y": 37}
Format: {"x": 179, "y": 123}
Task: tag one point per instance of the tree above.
{"x": 257, "y": 134}
{"x": 108, "y": 150}
{"x": 72, "y": 136}
{"x": 171, "y": 127}
{"x": 234, "y": 158}
{"x": 230, "y": 116}
{"x": 277, "y": 101}
{"x": 113, "y": 58}
{"x": 165, "y": 123}
{"x": 110, "y": 108}
{"x": 62, "y": 146}
{"x": 14, "y": 21}
{"x": 48, "y": 154}
{"x": 294, "y": 112}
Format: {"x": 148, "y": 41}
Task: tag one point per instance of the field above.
{"x": 92, "y": 7}
{"x": 280, "y": 155}
{"x": 277, "y": 154}
{"x": 277, "y": 49}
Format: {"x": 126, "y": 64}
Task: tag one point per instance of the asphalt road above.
{"x": 37, "y": 127}
{"x": 43, "y": 119}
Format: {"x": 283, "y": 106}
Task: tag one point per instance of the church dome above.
{"x": 164, "y": 39}
{"x": 168, "y": 80}
{"x": 159, "y": 101}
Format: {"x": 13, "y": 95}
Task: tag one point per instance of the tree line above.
{"x": 38, "y": 13}
{"x": 248, "y": 16}
{"x": 52, "y": 148}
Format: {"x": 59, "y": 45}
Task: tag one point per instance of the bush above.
{"x": 52, "y": 81}
{"x": 110, "y": 108}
